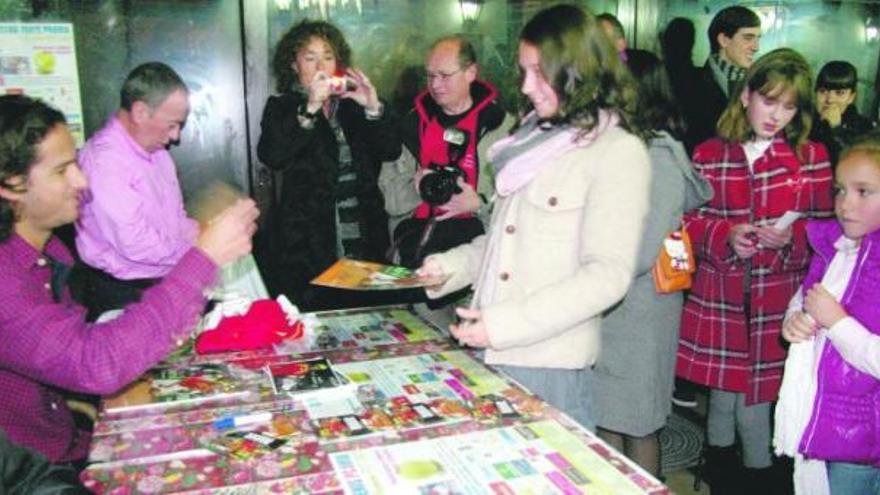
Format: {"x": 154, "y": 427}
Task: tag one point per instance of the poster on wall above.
{"x": 39, "y": 60}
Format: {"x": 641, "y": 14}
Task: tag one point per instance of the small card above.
{"x": 787, "y": 219}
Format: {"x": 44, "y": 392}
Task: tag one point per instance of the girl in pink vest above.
{"x": 828, "y": 417}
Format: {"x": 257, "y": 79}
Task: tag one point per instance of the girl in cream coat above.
{"x": 572, "y": 186}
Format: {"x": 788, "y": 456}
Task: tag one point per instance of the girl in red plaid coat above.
{"x": 761, "y": 167}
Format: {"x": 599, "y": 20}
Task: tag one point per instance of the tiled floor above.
{"x": 682, "y": 482}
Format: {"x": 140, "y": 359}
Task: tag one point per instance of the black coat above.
{"x": 26, "y": 471}
{"x": 852, "y": 126}
{"x": 703, "y": 108}
{"x": 302, "y": 228}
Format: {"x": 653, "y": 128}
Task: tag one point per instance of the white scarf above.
{"x": 798, "y": 392}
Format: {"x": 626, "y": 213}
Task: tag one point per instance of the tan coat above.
{"x": 568, "y": 242}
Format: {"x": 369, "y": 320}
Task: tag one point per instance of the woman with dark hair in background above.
{"x": 838, "y": 123}
{"x": 636, "y": 368}
{"x": 572, "y": 185}
{"x": 677, "y": 45}
{"x": 327, "y": 133}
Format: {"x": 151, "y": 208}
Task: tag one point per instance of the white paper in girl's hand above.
{"x": 787, "y": 219}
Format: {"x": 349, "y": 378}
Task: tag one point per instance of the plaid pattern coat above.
{"x": 716, "y": 349}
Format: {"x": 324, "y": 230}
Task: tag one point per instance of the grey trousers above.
{"x": 729, "y": 415}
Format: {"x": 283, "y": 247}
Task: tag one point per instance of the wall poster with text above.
{"x": 39, "y": 60}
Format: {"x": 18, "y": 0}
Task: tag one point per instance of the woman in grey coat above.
{"x": 634, "y": 374}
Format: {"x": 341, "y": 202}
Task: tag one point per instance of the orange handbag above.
{"x": 675, "y": 263}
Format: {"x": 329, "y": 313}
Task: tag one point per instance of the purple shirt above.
{"x": 45, "y": 346}
{"x": 134, "y": 226}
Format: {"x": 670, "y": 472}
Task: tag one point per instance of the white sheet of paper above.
{"x": 787, "y": 219}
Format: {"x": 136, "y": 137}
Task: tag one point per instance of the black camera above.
{"x": 437, "y": 188}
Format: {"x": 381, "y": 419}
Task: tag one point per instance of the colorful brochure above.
{"x": 367, "y": 275}
{"x": 178, "y": 385}
{"x": 309, "y": 379}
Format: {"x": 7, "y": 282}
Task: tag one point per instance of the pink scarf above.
{"x": 519, "y": 157}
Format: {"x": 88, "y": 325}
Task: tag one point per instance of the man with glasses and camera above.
{"x": 443, "y": 182}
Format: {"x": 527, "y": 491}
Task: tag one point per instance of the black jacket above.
{"x": 302, "y": 228}
{"x": 703, "y": 108}
{"x": 852, "y": 125}
{"x": 23, "y": 471}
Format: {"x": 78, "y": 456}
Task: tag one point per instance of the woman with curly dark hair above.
{"x": 327, "y": 133}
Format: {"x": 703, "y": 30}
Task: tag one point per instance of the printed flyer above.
{"x": 424, "y": 377}
{"x": 39, "y": 60}
{"x": 178, "y": 385}
{"x": 366, "y": 275}
{"x": 371, "y": 327}
{"x": 542, "y": 457}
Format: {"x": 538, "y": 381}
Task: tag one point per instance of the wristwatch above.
{"x": 306, "y": 119}
{"x": 377, "y": 114}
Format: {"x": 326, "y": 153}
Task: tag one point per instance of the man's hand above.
{"x": 228, "y": 236}
{"x": 467, "y": 201}
{"x": 743, "y": 240}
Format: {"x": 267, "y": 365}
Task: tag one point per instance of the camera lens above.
{"x": 434, "y": 189}
{"x": 437, "y": 189}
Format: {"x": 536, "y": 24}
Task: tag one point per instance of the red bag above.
{"x": 264, "y": 324}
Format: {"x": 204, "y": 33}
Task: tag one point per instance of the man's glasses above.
{"x": 442, "y": 76}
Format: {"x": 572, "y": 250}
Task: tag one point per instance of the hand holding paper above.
{"x": 786, "y": 220}
{"x": 779, "y": 234}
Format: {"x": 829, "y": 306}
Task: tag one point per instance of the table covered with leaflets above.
{"x": 375, "y": 400}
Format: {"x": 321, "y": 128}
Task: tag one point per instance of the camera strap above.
{"x": 426, "y": 235}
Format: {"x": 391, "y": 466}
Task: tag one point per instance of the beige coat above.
{"x": 568, "y": 242}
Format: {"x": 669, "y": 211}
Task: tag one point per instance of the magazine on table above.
{"x": 309, "y": 379}
{"x": 367, "y": 275}
{"x": 178, "y": 385}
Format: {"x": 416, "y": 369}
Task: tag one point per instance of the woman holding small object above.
{"x": 328, "y": 134}
{"x": 572, "y": 185}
